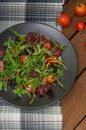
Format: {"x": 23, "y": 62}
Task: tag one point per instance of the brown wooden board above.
{"x": 78, "y": 42}
{"x": 74, "y": 104}
{"x": 82, "y": 124}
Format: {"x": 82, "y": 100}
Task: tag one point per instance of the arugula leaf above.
{"x": 60, "y": 71}
{"x": 34, "y": 82}
{"x": 1, "y": 85}
{"x": 56, "y": 43}
{"x": 22, "y": 37}
{"x": 18, "y": 78}
{"x": 20, "y": 91}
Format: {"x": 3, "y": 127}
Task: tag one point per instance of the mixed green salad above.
{"x": 31, "y": 64}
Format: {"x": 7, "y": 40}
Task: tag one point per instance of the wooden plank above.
{"x": 78, "y": 44}
{"x": 77, "y": 38}
{"x": 69, "y": 9}
{"x": 74, "y": 104}
{"x": 82, "y": 125}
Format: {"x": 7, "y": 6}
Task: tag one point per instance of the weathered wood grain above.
{"x": 74, "y": 104}
{"x": 78, "y": 43}
{"x": 82, "y": 125}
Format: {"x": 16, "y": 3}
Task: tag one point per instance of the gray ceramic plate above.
{"x": 69, "y": 58}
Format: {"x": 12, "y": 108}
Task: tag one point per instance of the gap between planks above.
{"x": 79, "y": 122}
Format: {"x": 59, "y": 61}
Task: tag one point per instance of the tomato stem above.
{"x": 78, "y": 4}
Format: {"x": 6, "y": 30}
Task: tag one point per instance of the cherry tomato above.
{"x": 28, "y": 88}
{"x": 23, "y": 58}
{"x": 47, "y": 45}
{"x": 51, "y": 78}
{"x": 85, "y": 45}
{"x": 63, "y": 20}
{"x": 51, "y": 60}
{"x": 80, "y": 26}
{"x": 80, "y": 9}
